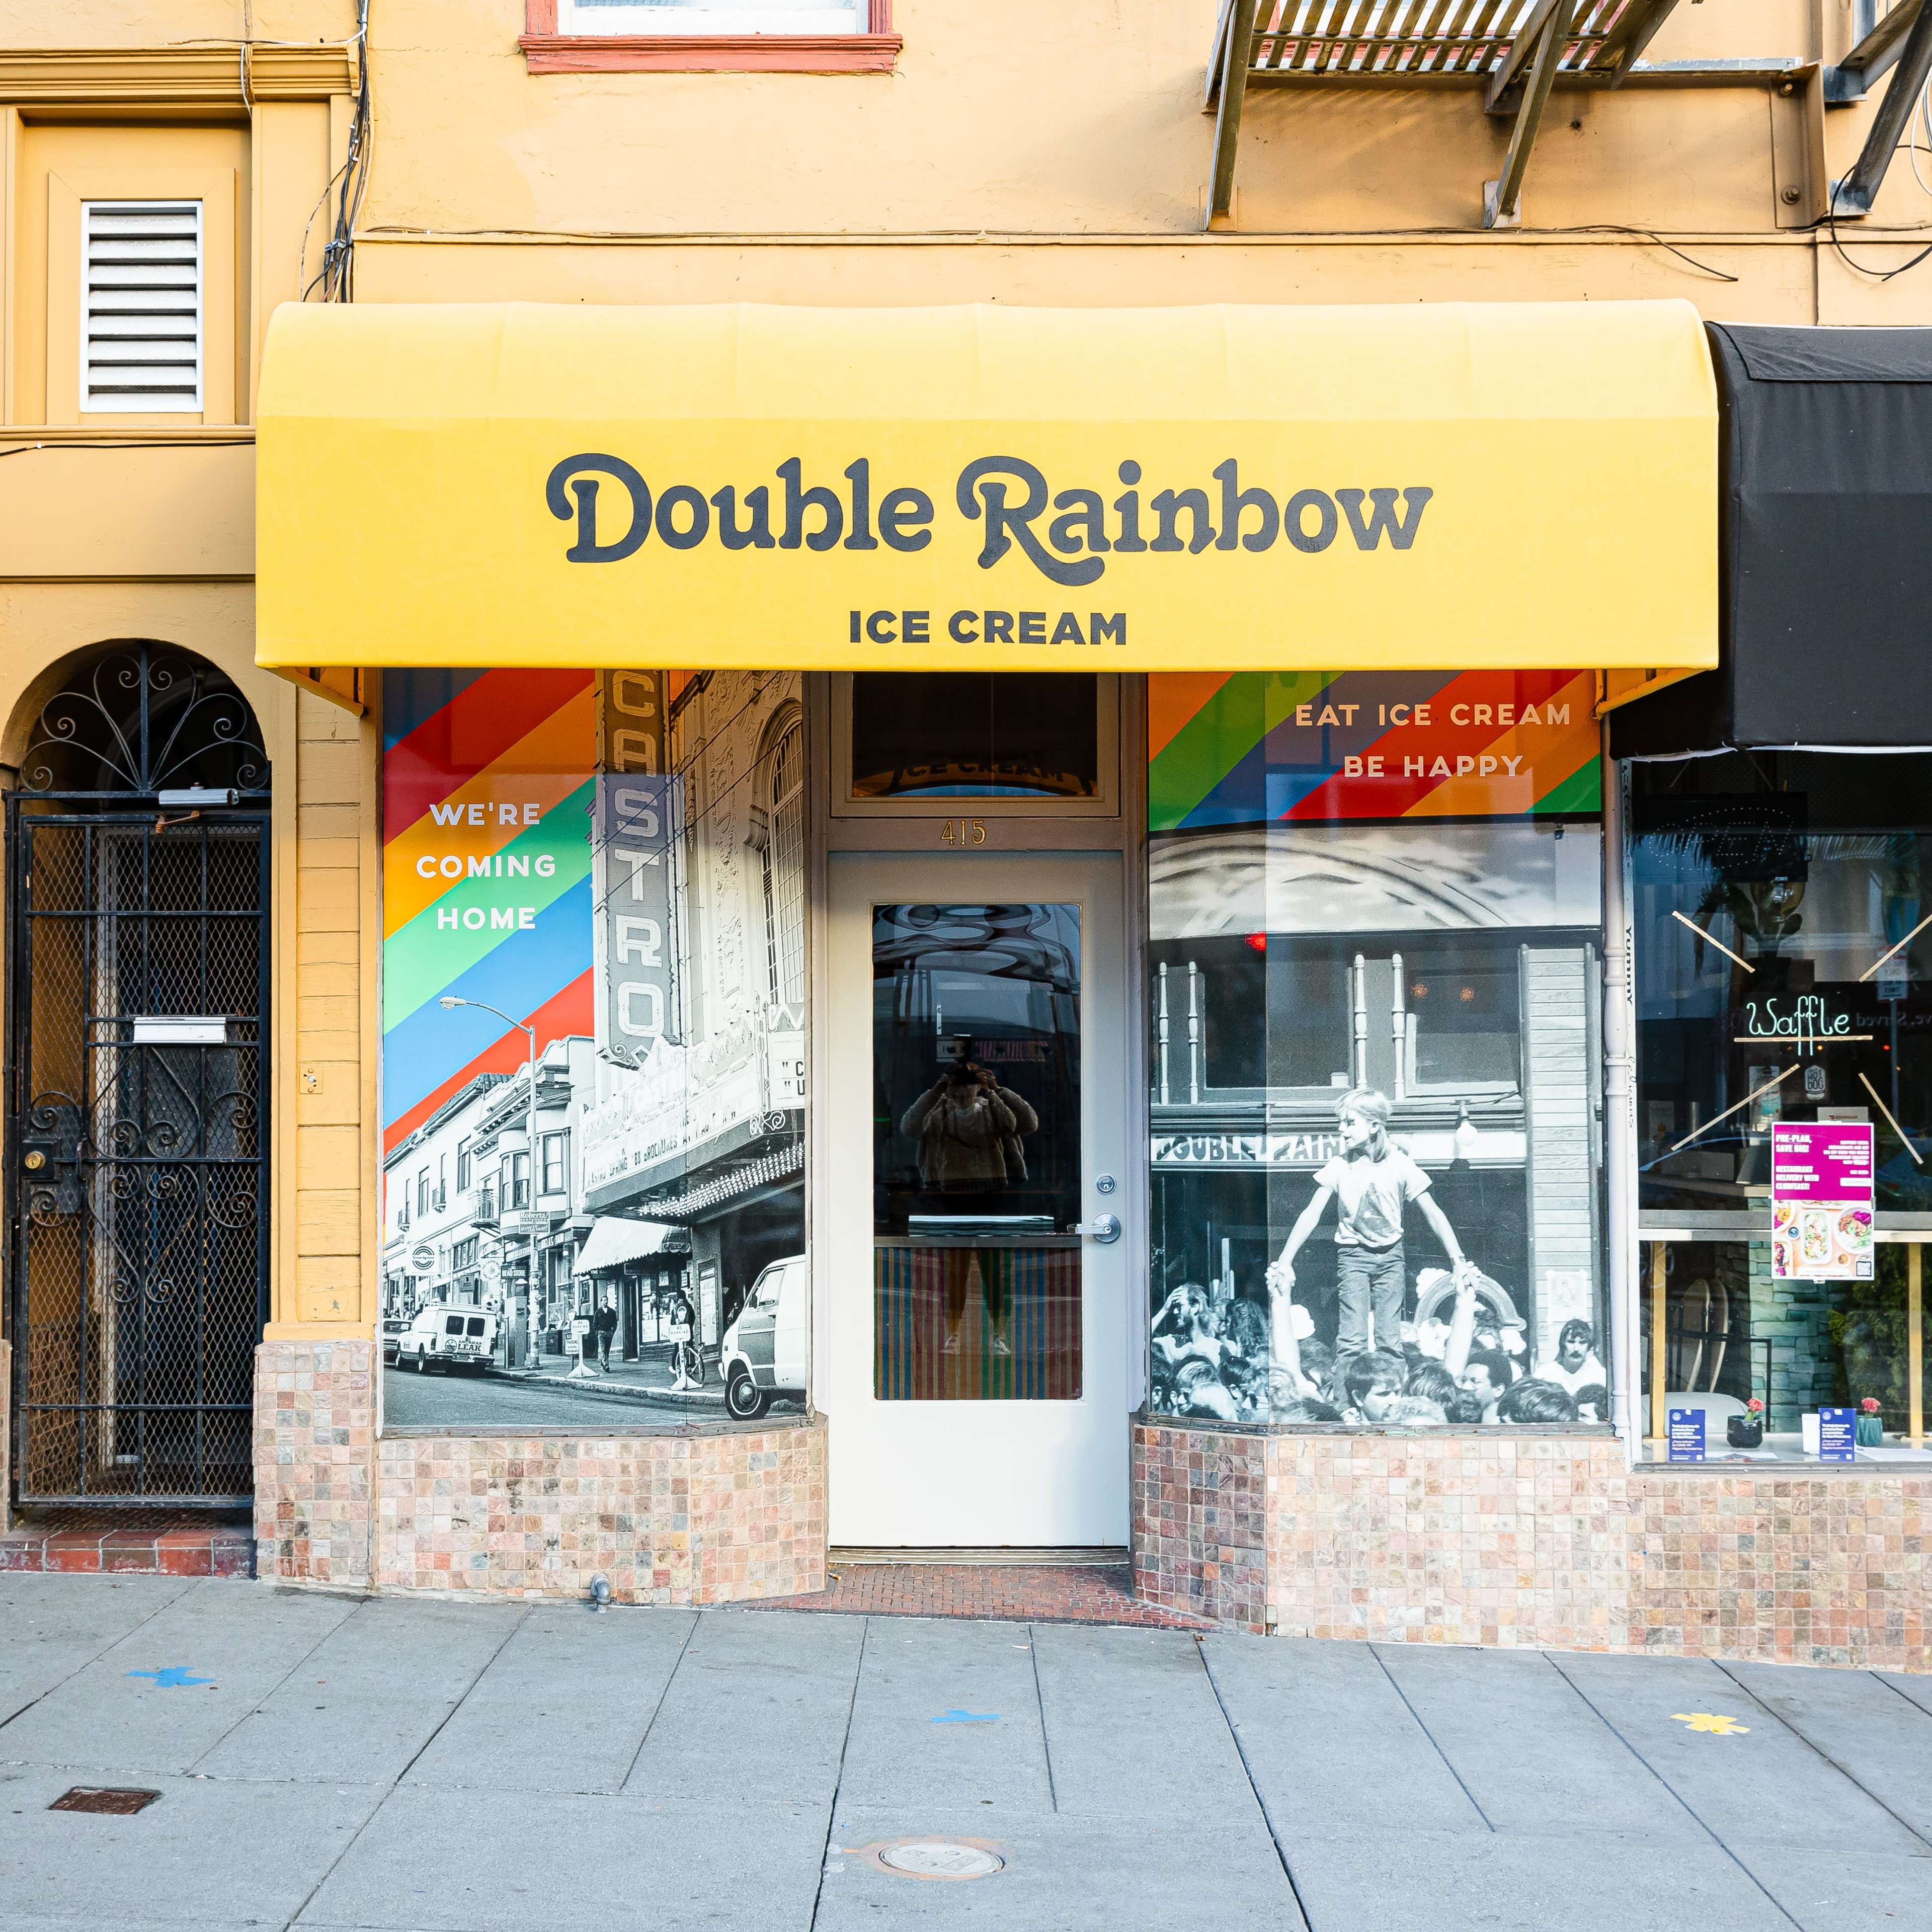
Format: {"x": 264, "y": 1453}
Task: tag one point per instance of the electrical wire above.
{"x": 308, "y": 228}
{"x": 1648, "y": 235}
{"x": 947, "y": 238}
{"x": 336, "y": 277}
{"x": 1910, "y": 144}
{"x": 252, "y": 40}
{"x": 1912, "y": 137}
{"x": 147, "y": 443}
{"x": 1879, "y": 275}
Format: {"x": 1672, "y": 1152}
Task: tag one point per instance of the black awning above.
{"x": 1826, "y": 529}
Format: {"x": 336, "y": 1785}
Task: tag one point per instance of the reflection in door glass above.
{"x": 976, "y": 1152}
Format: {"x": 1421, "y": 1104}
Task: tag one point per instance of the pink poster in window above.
{"x": 1821, "y": 1194}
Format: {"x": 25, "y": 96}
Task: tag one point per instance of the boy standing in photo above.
{"x": 1372, "y": 1183}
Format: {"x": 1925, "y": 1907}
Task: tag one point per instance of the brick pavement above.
{"x": 1027, "y": 1592}
{"x": 132, "y": 1542}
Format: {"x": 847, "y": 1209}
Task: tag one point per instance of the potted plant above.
{"x": 1871, "y": 1422}
{"x": 1746, "y": 1431}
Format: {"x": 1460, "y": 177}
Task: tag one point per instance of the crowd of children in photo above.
{"x": 1456, "y": 1360}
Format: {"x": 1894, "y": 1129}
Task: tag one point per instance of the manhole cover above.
{"x": 121, "y": 1803}
{"x": 937, "y": 1857}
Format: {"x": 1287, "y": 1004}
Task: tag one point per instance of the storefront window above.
{"x": 1375, "y": 975}
{"x": 616, "y": 860}
{"x": 1783, "y": 962}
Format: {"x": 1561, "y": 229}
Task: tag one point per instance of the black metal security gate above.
{"x": 137, "y": 1107}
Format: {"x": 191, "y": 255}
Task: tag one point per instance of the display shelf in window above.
{"x": 1721, "y": 1332}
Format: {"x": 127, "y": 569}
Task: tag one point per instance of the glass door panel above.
{"x": 977, "y": 1175}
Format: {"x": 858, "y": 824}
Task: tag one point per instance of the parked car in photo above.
{"x": 395, "y": 1327}
{"x": 764, "y": 1352}
{"x": 449, "y": 1339}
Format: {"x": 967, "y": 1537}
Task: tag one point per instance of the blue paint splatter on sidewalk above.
{"x": 967, "y": 1718}
{"x": 176, "y": 1677}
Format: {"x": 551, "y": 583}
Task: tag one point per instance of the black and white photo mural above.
{"x": 1374, "y": 976}
{"x": 593, "y": 1065}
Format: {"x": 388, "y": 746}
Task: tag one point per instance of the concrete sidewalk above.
{"x": 386, "y": 1765}
{"x": 650, "y": 1378}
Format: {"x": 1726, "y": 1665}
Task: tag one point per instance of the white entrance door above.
{"x": 979, "y": 1134}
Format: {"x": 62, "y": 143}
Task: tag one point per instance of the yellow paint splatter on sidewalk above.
{"x": 1708, "y": 1720}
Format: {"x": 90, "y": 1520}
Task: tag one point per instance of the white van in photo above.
{"x": 764, "y": 1354}
{"x": 447, "y": 1338}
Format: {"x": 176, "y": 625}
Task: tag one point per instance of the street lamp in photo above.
{"x": 449, "y": 1002}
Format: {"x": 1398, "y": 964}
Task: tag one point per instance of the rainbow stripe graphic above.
{"x": 1250, "y": 747}
{"x": 488, "y": 779}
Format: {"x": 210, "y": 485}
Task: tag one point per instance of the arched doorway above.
{"x": 138, "y": 905}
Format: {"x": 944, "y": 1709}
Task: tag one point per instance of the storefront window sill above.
{"x": 467, "y": 1431}
{"x": 713, "y": 53}
{"x": 1435, "y": 1432}
{"x": 1782, "y": 1459}
{"x": 1667, "y": 1224}
{"x": 546, "y": 51}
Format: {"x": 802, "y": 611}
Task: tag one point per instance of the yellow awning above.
{"x": 1234, "y": 487}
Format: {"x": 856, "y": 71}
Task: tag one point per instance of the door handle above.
{"x": 1103, "y": 1228}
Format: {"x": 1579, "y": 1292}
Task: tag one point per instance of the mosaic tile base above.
{"x": 694, "y": 1515}
{"x": 687, "y": 1517}
{"x": 1496, "y": 1539}
{"x": 1546, "y": 1541}
{"x": 315, "y": 1445}
{"x": 1200, "y": 1521}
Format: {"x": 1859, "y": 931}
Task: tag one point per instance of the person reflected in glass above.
{"x": 1371, "y": 1182}
{"x": 969, "y": 1130}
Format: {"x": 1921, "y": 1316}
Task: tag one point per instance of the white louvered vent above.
{"x": 140, "y": 307}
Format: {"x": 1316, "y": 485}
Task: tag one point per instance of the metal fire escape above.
{"x": 1516, "y": 53}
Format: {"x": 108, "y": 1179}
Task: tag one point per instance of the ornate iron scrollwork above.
{"x": 140, "y": 1166}
{"x": 142, "y": 720}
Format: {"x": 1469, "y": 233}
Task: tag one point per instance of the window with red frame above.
{"x": 685, "y": 36}
{"x": 602, "y": 17}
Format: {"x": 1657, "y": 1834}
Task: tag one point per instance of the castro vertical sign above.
{"x": 633, "y": 855}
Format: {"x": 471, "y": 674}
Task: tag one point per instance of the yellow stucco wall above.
{"x": 153, "y": 538}
{"x": 1018, "y": 153}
